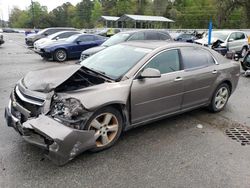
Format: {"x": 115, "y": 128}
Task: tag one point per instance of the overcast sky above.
{"x": 7, "y": 5}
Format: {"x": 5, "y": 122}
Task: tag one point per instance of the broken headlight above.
{"x": 69, "y": 111}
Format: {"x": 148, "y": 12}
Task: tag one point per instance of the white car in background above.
{"x": 236, "y": 41}
{"x": 62, "y": 35}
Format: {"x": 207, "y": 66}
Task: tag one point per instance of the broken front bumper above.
{"x": 62, "y": 143}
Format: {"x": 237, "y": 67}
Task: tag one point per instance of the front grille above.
{"x": 27, "y": 104}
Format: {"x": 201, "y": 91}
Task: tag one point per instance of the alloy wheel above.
{"x": 221, "y": 98}
{"x": 106, "y": 128}
{"x": 61, "y": 55}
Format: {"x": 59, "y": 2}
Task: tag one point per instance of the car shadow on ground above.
{"x": 146, "y": 137}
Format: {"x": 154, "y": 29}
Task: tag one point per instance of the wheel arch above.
{"x": 229, "y": 83}
{"x": 61, "y": 48}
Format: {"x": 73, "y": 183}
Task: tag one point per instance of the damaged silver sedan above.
{"x": 69, "y": 109}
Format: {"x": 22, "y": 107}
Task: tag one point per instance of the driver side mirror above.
{"x": 57, "y": 38}
{"x": 46, "y": 34}
{"x": 150, "y": 73}
{"x": 78, "y": 42}
{"x": 230, "y": 40}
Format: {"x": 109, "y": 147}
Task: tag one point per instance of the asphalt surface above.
{"x": 169, "y": 153}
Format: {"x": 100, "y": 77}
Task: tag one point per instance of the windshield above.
{"x": 118, "y": 38}
{"x": 54, "y": 35}
{"x": 41, "y": 32}
{"x": 116, "y": 60}
{"x": 72, "y": 38}
{"x": 220, "y": 35}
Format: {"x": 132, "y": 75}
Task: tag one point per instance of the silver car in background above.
{"x": 70, "y": 109}
{"x": 236, "y": 41}
{"x": 59, "y": 36}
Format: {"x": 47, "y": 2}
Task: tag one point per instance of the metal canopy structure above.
{"x": 109, "y": 21}
{"x": 136, "y": 21}
{"x": 108, "y": 18}
{"x": 142, "y": 18}
{"x": 141, "y": 21}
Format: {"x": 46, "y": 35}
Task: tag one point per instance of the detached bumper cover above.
{"x": 62, "y": 143}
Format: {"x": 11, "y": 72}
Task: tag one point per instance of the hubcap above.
{"x": 61, "y": 55}
{"x": 106, "y": 127}
{"x": 243, "y": 53}
{"x": 221, "y": 98}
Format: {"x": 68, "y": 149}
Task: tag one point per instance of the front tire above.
{"x": 107, "y": 124}
{"x": 220, "y": 98}
{"x": 60, "y": 55}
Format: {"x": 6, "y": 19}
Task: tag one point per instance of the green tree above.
{"x": 63, "y": 15}
{"x": 38, "y": 15}
{"x": 96, "y": 12}
{"x": 19, "y": 18}
{"x": 83, "y": 14}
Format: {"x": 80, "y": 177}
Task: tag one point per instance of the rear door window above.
{"x": 240, "y": 36}
{"x": 162, "y": 36}
{"x": 86, "y": 38}
{"x": 152, "y": 36}
{"x": 196, "y": 58}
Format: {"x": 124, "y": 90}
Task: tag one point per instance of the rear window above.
{"x": 152, "y": 36}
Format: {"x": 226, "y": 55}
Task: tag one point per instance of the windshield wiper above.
{"x": 98, "y": 73}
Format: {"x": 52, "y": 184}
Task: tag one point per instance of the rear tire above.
{"x": 220, "y": 98}
{"x": 60, "y": 55}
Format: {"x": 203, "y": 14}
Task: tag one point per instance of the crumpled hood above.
{"x": 94, "y": 50}
{"x": 102, "y": 94}
{"x": 45, "y": 80}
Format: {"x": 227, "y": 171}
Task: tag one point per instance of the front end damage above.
{"x": 50, "y": 122}
{"x": 61, "y": 143}
{"x": 52, "y": 111}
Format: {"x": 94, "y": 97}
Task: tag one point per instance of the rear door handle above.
{"x": 214, "y": 71}
{"x": 178, "y": 79}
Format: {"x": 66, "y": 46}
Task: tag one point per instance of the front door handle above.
{"x": 178, "y": 79}
{"x": 214, "y": 72}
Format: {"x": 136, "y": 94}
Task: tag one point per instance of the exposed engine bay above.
{"x": 81, "y": 79}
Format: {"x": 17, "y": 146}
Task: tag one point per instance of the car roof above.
{"x": 158, "y": 44}
{"x": 227, "y": 31}
{"x": 143, "y": 30}
{"x": 61, "y": 32}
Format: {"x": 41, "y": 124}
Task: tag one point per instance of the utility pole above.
{"x": 32, "y": 9}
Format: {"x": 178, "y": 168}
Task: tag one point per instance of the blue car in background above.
{"x": 72, "y": 47}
